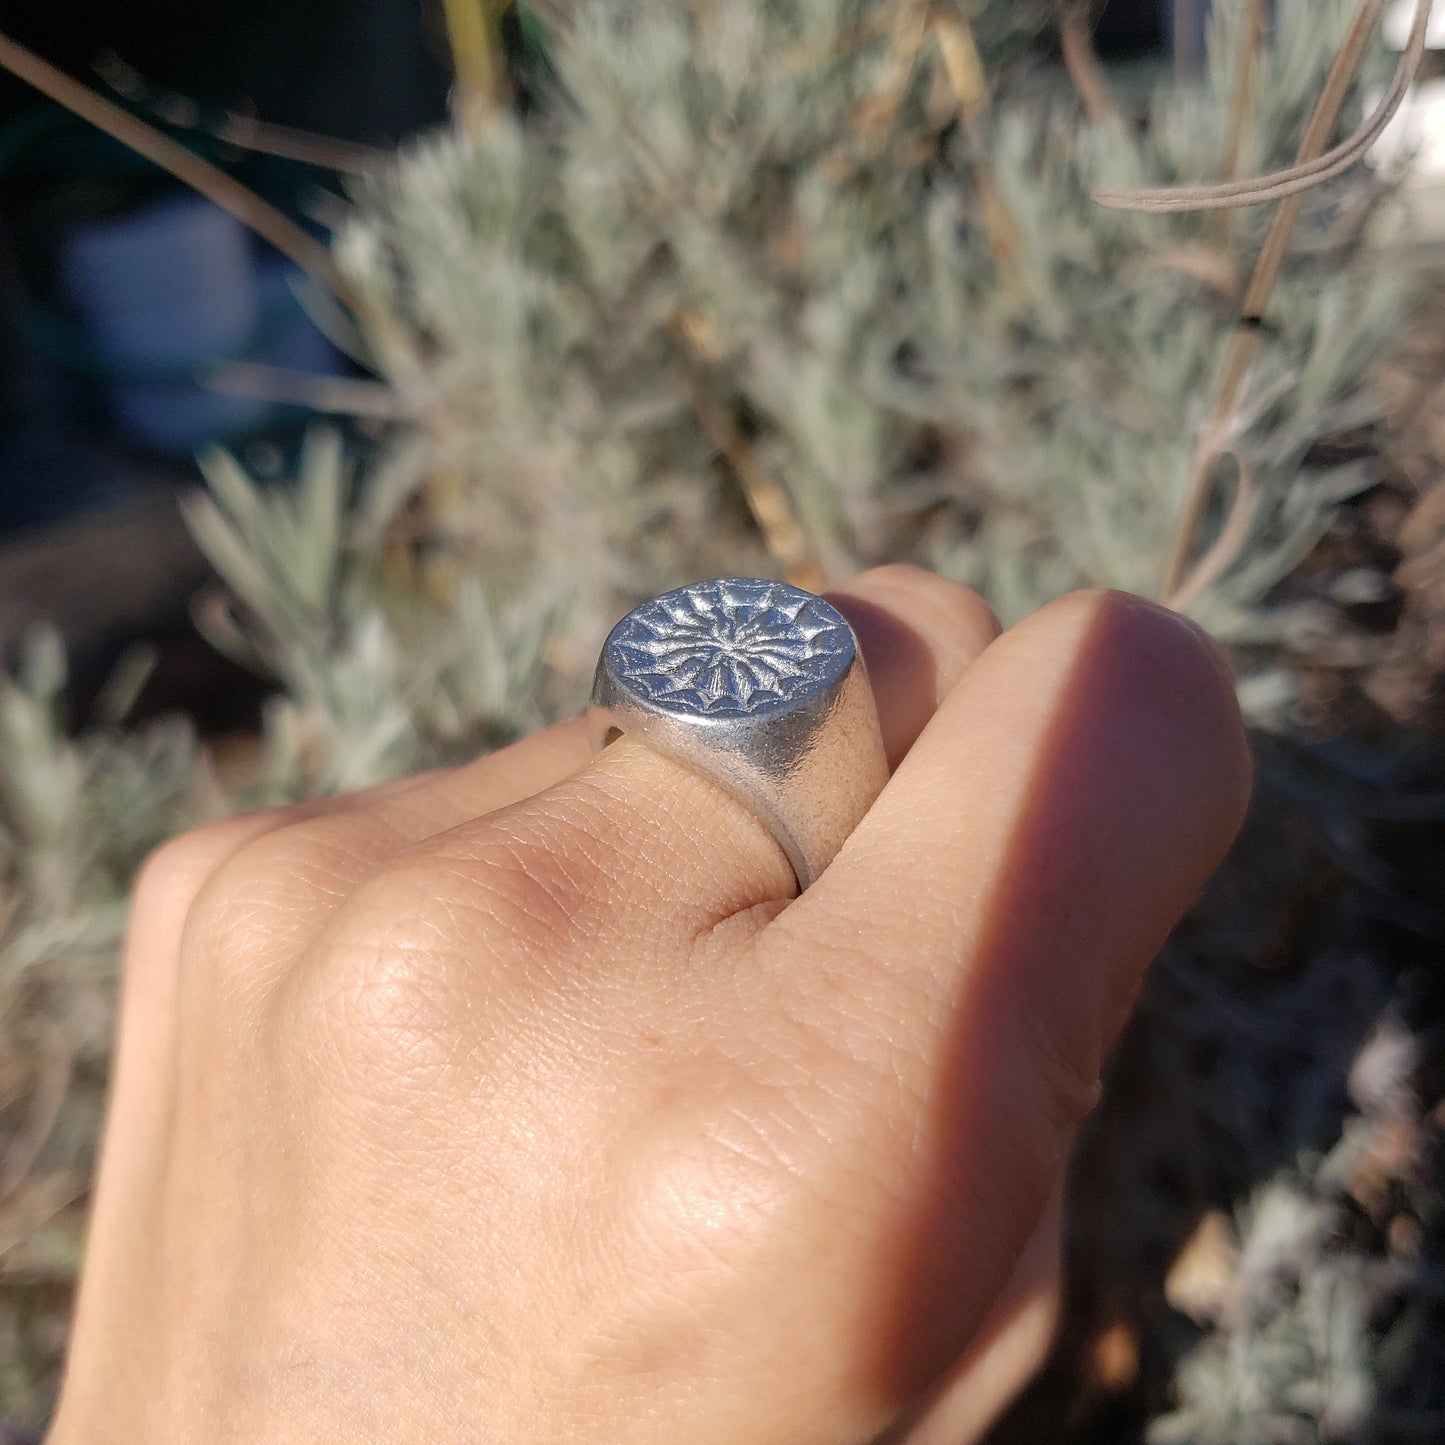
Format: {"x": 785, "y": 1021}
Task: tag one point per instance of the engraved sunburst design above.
{"x": 731, "y": 648}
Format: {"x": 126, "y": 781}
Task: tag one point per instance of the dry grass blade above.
{"x": 964, "y": 69}
{"x": 1305, "y": 174}
{"x": 245, "y": 132}
{"x": 200, "y": 175}
{"x": 1076, "y": 36}
{"x": 336, "y": 395}
{"x": 1246, "y": 67}
{"x": 472, "y": 32}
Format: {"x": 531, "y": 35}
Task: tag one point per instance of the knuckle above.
{"x": 165, "y": 895}
{"x": 517, "y": 883}
{"x": 387, "y": 1003}
{"x": 949, "y": 606}
{"x": 263, "y": 895}
{"x": 173, "y": 876}
{"x": 485, "y": 916}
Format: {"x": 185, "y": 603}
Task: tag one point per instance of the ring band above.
{"x": 759, "y": 687}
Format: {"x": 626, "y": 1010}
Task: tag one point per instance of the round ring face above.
{"x": 730, "y": 649}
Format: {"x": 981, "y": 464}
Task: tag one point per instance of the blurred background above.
{"x": 362, "y": 360}
{"x": 120, "y": 288}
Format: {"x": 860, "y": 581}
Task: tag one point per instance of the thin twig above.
{"x": 472, "y": 31}
{"x": 768, "y": 500}
{"x": 1232, "y": 537}
{"x": 245, "y": 132}
{"x": 964, "y": 69}
{"x": 1304, "y": 175}
{"x": 1076, "y": 36}
{"x": 339, "y": 395}
{"x": 200, "y": 175}
{"x": 346, "y": 158}
{"x": 1266, "y": 278}
{"x": 1241, "y": 108}
{"x": 1251, "y": 42}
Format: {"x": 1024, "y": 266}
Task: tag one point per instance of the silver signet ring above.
{"x": 760, "y": 688}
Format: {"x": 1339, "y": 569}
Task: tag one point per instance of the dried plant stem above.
{"x": 767, "y": 499}
{"x": 772, "y": 508}
{"x": 346, "y": 158}
{"x": 471, "y": 30}
{"x": 1076, "y": 36}
{"x": 1232, "y": 537}
{"x": 964, "y": 69}
{"x": 200, "y": 175}
{"x": 1246, "y": 67}
{"x": 1307, "y": 174}
{"x": 1261, "y": 289}
{"x": 245, "y": 132}
{"x": 338, "y": 395}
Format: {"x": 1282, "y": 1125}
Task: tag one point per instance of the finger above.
{"x": 995, "y": 913}
{"x": 169, "y": 879}
{"x": 1005, "y": 1355}
{"x": 143, "y": 1055}
{"x": 174, "y": 875}
{"x": 918, "y": 635}
{"x": 636, "y": 850}
{"x": 166, "y": 892}
{"x": 619, "y": 827}
{"x": 162, "y": 895}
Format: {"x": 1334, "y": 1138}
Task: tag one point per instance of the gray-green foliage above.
{"x": 761, "y": 201}
{"x": 76, "y": 817}
{"x": 1296, "y": 1349}
{"x": 384, "y": 668}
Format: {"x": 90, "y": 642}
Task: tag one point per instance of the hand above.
{"x": 517, "y": 1103}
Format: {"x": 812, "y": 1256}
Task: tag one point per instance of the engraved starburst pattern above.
{"x": 730, "y": 648}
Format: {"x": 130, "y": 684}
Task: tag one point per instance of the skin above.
{"x": 524, "y": 1103}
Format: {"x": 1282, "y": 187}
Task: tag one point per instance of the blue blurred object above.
{"x": 1185, "y": 24}
{"x": 163, "y": 292}
{"x": 120, "y": 295}
{"x": 167, "y": 292}
{"x": 98, "y": 403}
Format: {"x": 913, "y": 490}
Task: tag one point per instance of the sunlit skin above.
{"x": 523, "y": 1103}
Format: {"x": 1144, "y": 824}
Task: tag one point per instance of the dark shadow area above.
{"x": 1242, "y": 1066}
{"x": 122, "y": 293}
{"x": 1089, "y": 869}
